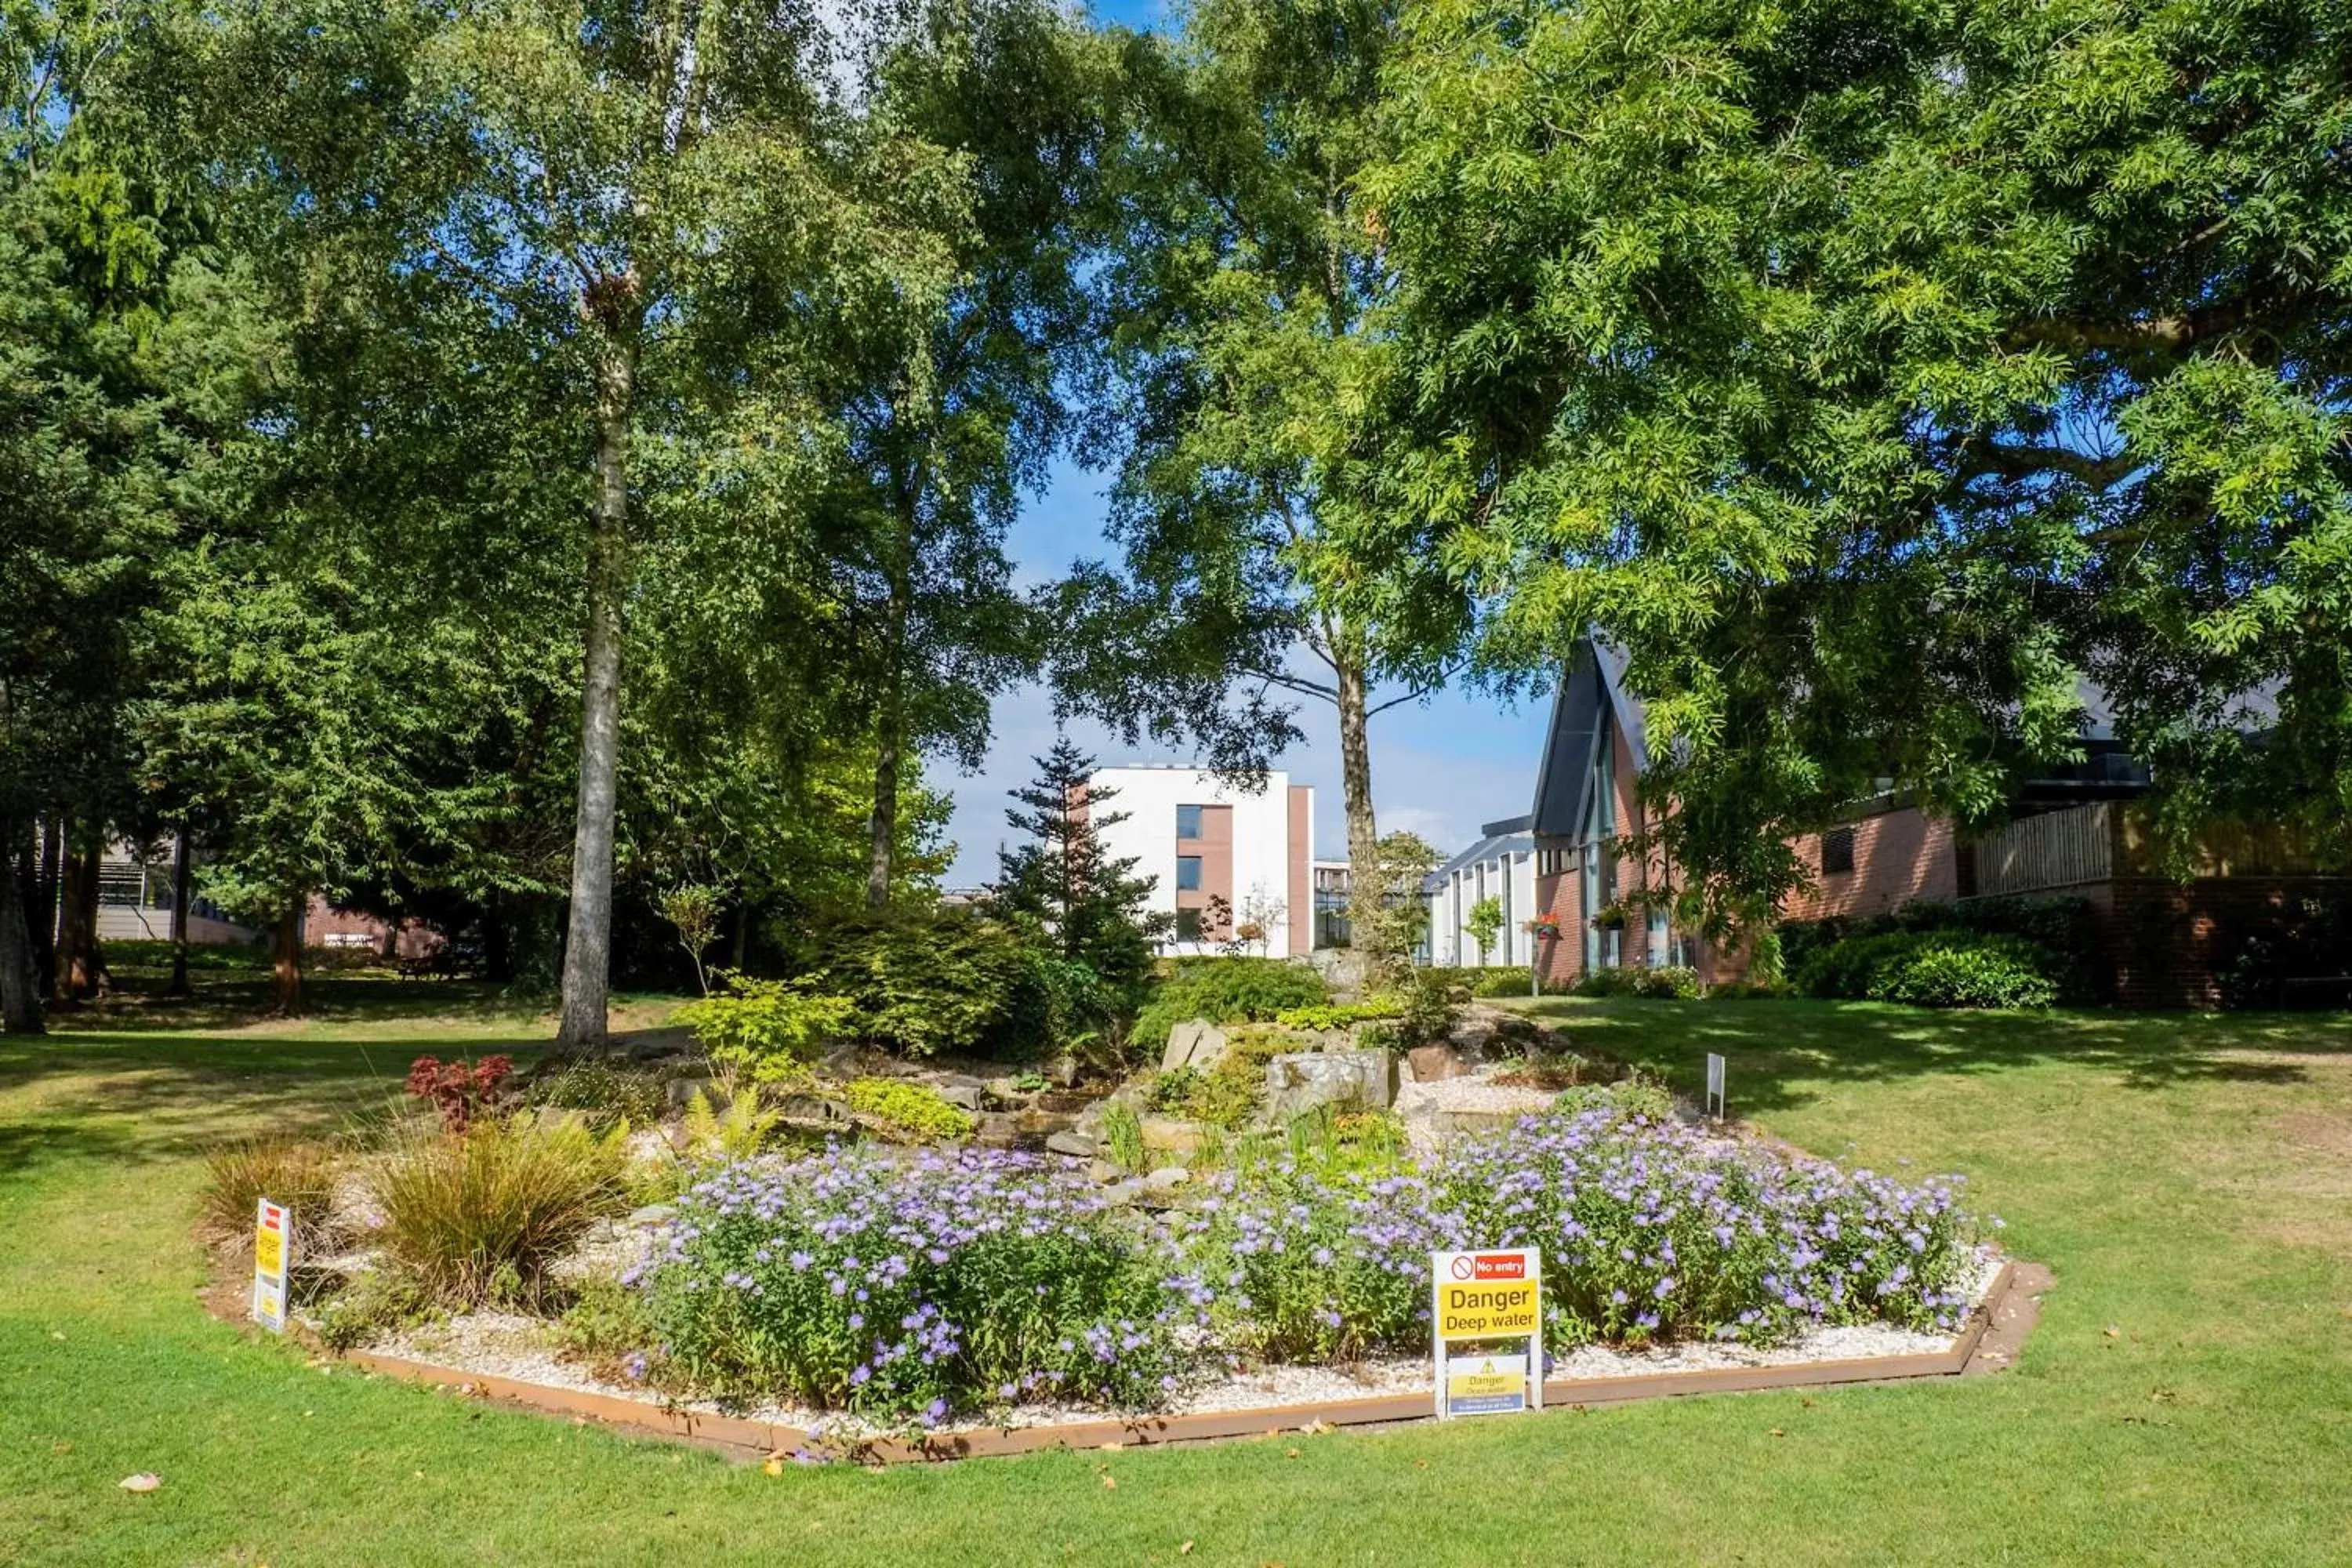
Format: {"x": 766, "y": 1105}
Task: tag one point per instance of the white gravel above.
{"x": 523, "y": 1349}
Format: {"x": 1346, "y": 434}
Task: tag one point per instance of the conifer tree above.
{"x": 1089, "y": 902}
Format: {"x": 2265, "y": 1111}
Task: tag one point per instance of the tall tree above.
{"x": 1090, "y": 901}
{"x": 661, "y": 200}
{"x": 1873, "y": 377}
{"x": 1246, "y": 298}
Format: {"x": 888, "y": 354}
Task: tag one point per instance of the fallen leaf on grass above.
{"x": 1775, "y": 1432}
{"x": 1185, "y": 1550}
{"x": 1110, "y": 1483}
{"x": 1290, "y": 1454}
{"x": 142, "y": 1482}
{"x": 774, "y": 1466}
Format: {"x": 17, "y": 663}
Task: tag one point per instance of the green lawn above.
{"x": 2186, "y": 1398}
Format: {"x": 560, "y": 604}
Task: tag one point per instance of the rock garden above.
{"x": 741, "y": 1215}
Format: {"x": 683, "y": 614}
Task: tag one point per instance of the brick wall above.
{"x": 1899, "y": 856}
{"x": 2169, "y": 941}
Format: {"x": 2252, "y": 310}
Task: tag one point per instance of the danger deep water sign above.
{"x": 1496, "y": 1294}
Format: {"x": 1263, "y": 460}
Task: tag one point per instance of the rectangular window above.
{"x": 1188, "y": 873}
{"x": 1837, "y": 851}
{"x": 1187, "y": 925}
{"x": 1188, "y": 822}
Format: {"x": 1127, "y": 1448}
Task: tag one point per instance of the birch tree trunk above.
{"x": 588, "y": 942}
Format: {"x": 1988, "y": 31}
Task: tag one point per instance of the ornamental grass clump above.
{"x": 913, "y": 1285}
{"x": 1653, "y": 1231}
{"x": 477, "y": 1216}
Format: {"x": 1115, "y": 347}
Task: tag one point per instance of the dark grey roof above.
{"x": 1591, "y": 690}
{"x": 1515, "y": 840}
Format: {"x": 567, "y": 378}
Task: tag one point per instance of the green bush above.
{"x": 1478, "y": 981}
{"x": 603, "y": 1093}
{"x": 1933, "y": 968}
{"x": 1226, "y": 991}
{"x": 1122, "y": 1135}
{"x": 909, "y": 1112}
{"x": 2064, "y": 933}
{"x": 477, "y": 1216}
{"x": 1667, "y": 983}
{"x": 1986, "y": 971}
{"x": 1750, "y": 991}
{"x": 1628, "y": 1100}
{"x": 1326, "y": 1016}
{"x": 949, "y": 983}
{"x": 773, "y": 1029}
{"x": 1229, "y": 1093}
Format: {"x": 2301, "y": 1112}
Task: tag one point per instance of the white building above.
{"x": 1222, "y": 857}
{"x": 1501, "y": 865}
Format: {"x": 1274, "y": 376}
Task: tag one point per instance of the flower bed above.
{"x": 932, "y": 1285}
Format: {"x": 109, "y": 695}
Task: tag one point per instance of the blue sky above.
{"x": 1438, "y": 769}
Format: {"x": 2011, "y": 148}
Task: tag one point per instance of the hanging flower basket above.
{"x": 1544, "y": 926}
{"x": 1610, "y": 917}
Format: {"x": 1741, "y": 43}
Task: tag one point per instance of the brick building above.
{"x": 2077, "y": 833}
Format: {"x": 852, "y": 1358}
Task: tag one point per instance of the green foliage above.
{"x": 2066, "y": 931}
{"x": 2308, "y": 940}
{"x": 1933, "y": 968}
{"x": 907, "y": 1111}
{"x": 772, "y": 1029}
{"x": 303, "y": 1175}
{"x": 1667, "y": 983}
{"x": 1484, "y": 923}
{"x": 948, "y": 982}
{"x": 1226, "y": 991}
{"x": 1478, "y": 981}
{"x": 1088, "y": 904}
{"x": 1635, "y": 1099}
{"x": 693, "y": 909}
{"x": 1325, "y": 1016}
{"x": 1231, "y": 1091}
{"x": 1122, "y": 1134}
{"x": 606, "y": 1324}
{"x": 376, "y": 1302}
{"x": 477, "y": 1216}
{"x": 602, "y": 1092}
{"x": 720, "y": 1137}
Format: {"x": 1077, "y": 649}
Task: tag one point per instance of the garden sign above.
{"x": 1478, "y": 1299}
{"x": 273, "y": 1257}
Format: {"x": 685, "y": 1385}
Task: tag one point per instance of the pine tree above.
{"x": 1090, "y": 904}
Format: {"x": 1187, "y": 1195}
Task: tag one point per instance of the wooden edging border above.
{"x": 1994, "y": 1332}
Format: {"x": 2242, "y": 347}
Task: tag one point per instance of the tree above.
{"x": 1871, "y": 378}
{"x": 1089, "y": 903}
{"x": 1388, "y": 938}
{"x": 662, "y": 203}
{"x": 1247, "y": 295}
{"x": 1484, "y": 922}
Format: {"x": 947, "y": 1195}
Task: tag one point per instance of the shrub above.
{"x": 477, "y": 1216}
{"x": 1628, "y": 1100}
{"x": 376, "y": 1302}
{"x": 1493, "y": 982}
{"x": 772, "y": 1029}
{"x": 1989, "y": 971}
{"x": 946, "y": 982}
{"x": 910, "y": 1287}
{"x": 1429, "y": 1013}
{"x": 606, "y": 1330}
{"x": 1932, "y": 968}
{"x": 459, "y": 1091}
{"x": 1230, "y": 1091}
{"x": 1226, "y": 991}
{"x": 1821, "y": 957}
{"x": 602, "y": 1094}
{"x": 302, "y": 1175}
{"x": 722, "y": 1137}
{"x": 1324, "y": 1016}
{"x": 2307, "y": 939}
{"x": 1666, "y": 982}
{"x": 1750, "y": 991}
{"x": 909, "y": 1112}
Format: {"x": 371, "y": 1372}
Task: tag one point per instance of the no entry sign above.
{"x": 1476, "y": 1299}
{"x": 273, "y": 1257}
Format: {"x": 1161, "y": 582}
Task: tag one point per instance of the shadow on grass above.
{"x": 1785, "y": 1052}
{"x": 235, "y": 1002}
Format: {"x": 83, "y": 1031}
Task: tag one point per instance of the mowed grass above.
{"x": 2187, "y": 1397}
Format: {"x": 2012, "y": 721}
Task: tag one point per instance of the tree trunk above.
{"x": 20, "y": 994}
{"x": 1364, "y": 892}
{"x": 588, "y": 945}
{"x": 182, "y": 885}
{"x": 498, "y": 939}
{"x": 43, "y": 915}
{"x": 287, "y": 959}
{"x": 742, "y": 934}
{"x": 77, "y": 967}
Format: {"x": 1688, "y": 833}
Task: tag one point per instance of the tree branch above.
{"x": 2022, "y": 460}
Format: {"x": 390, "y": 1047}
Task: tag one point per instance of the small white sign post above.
{"x": 1715, "y": 1086}
{"x": 273, "y": 1260}
{"x": 1484, "y": 1297}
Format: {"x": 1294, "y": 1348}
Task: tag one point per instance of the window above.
{"x": 1188, "y": 873}
{"x": 1188, "y": 822}
{"x": 1187, "y": 925}
{"x": 1837, "y": 851}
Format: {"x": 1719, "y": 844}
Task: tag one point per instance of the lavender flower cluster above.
{"x": 935, "y": 1282}
{"x": 879, "y": 1281}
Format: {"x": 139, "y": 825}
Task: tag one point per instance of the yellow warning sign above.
{"x": 268, "y": 1252}
{"x": 1496, "y": 1311}
{"x": 1489, "y": 1380}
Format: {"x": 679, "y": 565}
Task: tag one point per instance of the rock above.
{"x": 1074, "y": 1143}
{"x": 997, "y": 1130}
{"x": 682, "y": 1091}
{"x": 1432, "y": 1064}
{"x": 651, "y": 1216}
{"x": 1102, "y": 1172}
{"x": 1006, "y": 1090}
{"x": 963, "y": 1096}
{"x": 1300, "y": 1082}
{"x": 1196, "y": 1043}
{"x": 1455, "y": 1122}
{"x": 1123, "y": 1192}
{"x": 1167, "y": 1178}
{"x": 1170, "y": 1134}
{"x": 1062, "y": 1072}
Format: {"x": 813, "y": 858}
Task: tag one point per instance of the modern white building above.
{"x": 1223, "y": 859}
{"x": 1501, "y": 865}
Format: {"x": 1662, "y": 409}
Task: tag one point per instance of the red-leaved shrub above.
{"x": 459, "y": 1091}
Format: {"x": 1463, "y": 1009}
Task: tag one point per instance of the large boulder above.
{"x": 1433, "y": 1064}
{"x": 1301, "y": 1081}
{"x": 1196, "y": 1043}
